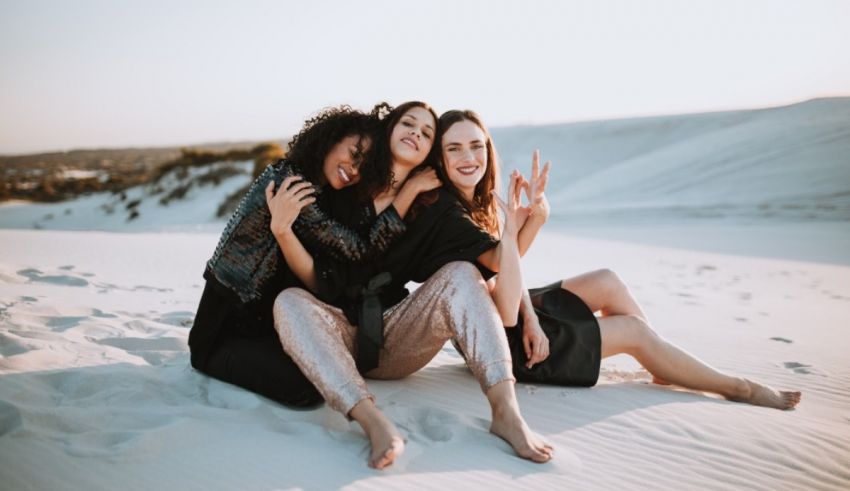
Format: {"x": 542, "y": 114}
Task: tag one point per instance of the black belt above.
{"x": 370, "y": 329}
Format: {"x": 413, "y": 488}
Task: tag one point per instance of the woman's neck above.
{"x": 468, "y": 194}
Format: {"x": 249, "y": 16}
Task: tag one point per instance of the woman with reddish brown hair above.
{"x": 554, "y": 336}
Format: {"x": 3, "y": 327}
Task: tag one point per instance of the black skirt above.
{"x": 575, "y": 345}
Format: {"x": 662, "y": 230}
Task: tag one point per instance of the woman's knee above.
{"x": 287, "y": 302}
{"x": 291, "y": 296}
{"x": 461, "y": 273}
{"x": 641, "y": 335}
{"x": 612, "y": 281}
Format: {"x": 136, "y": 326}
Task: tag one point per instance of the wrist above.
{"x": 407, "y": 191}
{"x": 282, "y": 232}
{"x": 538, "y": 217}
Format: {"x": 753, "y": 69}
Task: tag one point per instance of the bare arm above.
{"x": 414, "y": 185}
{"x": 285, "y": 205}
{"x": 508, "y": 290}
{"x": 299, "y": 260}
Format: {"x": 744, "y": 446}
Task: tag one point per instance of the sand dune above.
{"x": 789, "y": 162}
{"x": 96, "y": 391}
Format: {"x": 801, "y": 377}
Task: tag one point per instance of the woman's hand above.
{"x": 534, "y": 340}
{"x": 423, "y": 181}
{"x": 286, "y": 204}
{"x": 536, "y": 187}
{"x": 515, "y": 213}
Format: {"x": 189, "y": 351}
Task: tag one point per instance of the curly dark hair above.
{"x": 331, "y": 125}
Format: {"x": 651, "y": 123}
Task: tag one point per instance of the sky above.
{"x": 119, "y": 73}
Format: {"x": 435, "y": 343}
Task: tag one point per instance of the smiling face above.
{"x": 342, "y": 163}
{"x": 412, "y": 137}
{"x": 465, "y": 156}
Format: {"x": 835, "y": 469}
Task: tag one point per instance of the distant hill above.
{"x": 785, "y": 162}
{"x": 777, "y": 165}
{"x": 58, "y": 176}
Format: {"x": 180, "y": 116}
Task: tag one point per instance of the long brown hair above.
{"x": 482, "y": 208}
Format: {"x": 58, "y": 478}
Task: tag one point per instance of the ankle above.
{"x": 740, "y": 389}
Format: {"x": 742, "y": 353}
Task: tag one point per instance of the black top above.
{"x": 248, "y": 257}
{"x": 437, "y": 234}
{"x": 248, "y": 270}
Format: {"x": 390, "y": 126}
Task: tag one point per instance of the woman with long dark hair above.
{"x": 365, "y": 323}
{"x": 233, "y": 338}
{"x": 555, "y": 337}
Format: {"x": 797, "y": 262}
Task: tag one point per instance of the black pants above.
{"x": 240, "y": 346}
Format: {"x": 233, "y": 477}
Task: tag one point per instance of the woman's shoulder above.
{"x": 287, "y": 168}
{"x": 447, "y": 202}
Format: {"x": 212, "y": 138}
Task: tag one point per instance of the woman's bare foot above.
{"x": 386, "y": 446}
{"x": 659, "y": 381}
{"x": 509, "y": 426}
{"x": 762, "y": 395}
{"x": 387, "y": 443}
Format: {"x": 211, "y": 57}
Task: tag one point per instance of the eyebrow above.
{"x": 417, "y": 119}
{"x": 461, "y": 143}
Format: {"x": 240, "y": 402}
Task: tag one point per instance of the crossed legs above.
{"x": 624, "y": 329}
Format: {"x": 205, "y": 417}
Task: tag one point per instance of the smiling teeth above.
{"x": 344, "y": 176}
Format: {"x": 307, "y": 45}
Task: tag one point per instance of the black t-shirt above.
{"x": 438, "y": 233}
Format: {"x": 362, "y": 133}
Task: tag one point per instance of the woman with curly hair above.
{"x": 365, "y": 322}
{"x": 559, "y": 318}
{"x": 233, "y": 337}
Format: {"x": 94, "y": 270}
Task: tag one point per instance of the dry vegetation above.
{"x": 59, "y": 176}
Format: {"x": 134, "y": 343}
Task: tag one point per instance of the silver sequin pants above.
{"x": 453, "y": 303}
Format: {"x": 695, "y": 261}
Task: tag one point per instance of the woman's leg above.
{"x": 631, "y": 334}
{"x": 455, "y": 302}
{"x": 321, "y": 341}
{"x": 603, "y": 291}
{"x": 259, "y": 364}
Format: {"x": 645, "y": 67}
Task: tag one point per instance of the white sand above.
{"x": 96, "y": 390}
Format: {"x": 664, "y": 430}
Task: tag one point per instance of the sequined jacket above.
{"x": 248, "y": 257}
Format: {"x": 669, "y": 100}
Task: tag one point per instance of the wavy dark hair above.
{"x": 383, "y": 157}
{"x": 483, "y": 208}
{"x": 320, "y": 133}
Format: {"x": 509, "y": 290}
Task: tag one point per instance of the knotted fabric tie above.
{"x": 370, "y": 332}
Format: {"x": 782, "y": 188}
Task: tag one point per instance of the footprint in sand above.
{"x": 745, "y": 296}
{"x": 63, "y": 323}
{"x": 11, "y": 347}
{"x": 156, "y": 351}
{"x": 64, "y": 280}
{"x": 28, "y": 299}
{"x": 782, "y": 340}
{"x": 798, "y": 367}
{"x": 103, "y": 315}
{"x": 179, "y": 318}
{"x": 741, "y": 319}
{"x": 434, "y": 424}
{"x": 145, "y": 288}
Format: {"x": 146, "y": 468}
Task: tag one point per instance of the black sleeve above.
{"x": 457, "y": 238}
{"x": 323, "y": 234}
